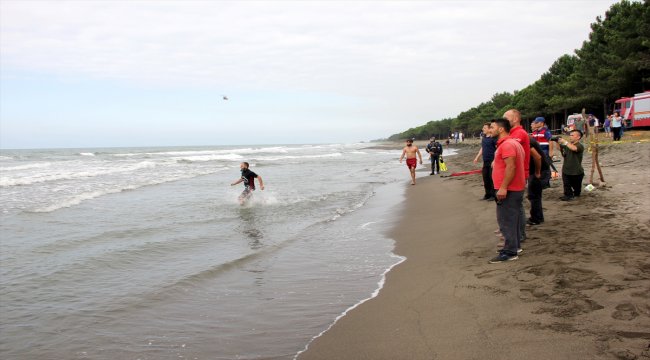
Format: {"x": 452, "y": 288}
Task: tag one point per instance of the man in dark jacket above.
{"x": 434, "y": 149}
{"x": 536, "y": 180}
{"x": 488, "y": 147}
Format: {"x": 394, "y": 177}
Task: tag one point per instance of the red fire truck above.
{"x": 635, "y": 110}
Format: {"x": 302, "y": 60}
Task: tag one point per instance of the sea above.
{"x": 146, "y": 253}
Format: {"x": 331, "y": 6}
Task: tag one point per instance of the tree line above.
{"x": 613, "y": 63}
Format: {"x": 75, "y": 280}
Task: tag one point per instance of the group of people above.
{"x": 515, "y": 162}
{"x": 412, "y": 153}
{"x": 614, "y": 126}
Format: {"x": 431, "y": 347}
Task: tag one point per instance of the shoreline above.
{"x": 445, "y": 301}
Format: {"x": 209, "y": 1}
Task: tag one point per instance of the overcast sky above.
{"x": 148, "y": 73}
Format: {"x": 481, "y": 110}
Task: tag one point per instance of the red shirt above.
{"x": 508, "y": 147}
{"x": 518, "y": 133}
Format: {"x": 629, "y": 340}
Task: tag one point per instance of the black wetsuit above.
{"x": 435, "y": 149}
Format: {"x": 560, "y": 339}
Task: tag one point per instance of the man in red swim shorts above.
{"x": 411, "y": 151}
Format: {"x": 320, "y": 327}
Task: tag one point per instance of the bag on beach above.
{"x": 443, "y": 166}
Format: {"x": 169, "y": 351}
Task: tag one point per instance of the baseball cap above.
{"x": 539, "y": 119}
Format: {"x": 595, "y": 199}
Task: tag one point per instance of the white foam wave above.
{"x": 277, "y": 158}
{"x": 6, "y": 157}
{"x": 6, "y": 181}
{"x": 365, "y": 226}
{"x": 26, "y": 167}
{"x": 204, "y": 158}
{"x": 374, "y": 294}
{"x": 79, "y": 198}
{"x": 87, "y": 154}
{"x": 273, "y": 149}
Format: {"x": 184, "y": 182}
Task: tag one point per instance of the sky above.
{"x": 154, "y": 73}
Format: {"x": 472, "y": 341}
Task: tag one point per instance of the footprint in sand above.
{"x": 625, "y": 311}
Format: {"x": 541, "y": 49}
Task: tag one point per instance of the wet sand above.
{"x": 580, "y": 290}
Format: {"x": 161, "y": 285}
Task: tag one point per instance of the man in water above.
{"x": 411, "y": 151}
{"x": 248, "y": 178}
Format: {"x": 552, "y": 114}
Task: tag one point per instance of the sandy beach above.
{"x": 580, "y": 290}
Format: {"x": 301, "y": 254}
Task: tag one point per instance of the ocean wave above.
{"x": 292, "y": 157}
{"x": 249, "y": 150}
{"x": 79, "y": 198}
{"x": 26, "y": 166}
{"x": 6, "y": 181}
{"x": 213, "y": 157}
{"x": 87, "y": 154}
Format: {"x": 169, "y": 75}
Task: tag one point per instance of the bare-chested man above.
{"x": 411, "y": 151}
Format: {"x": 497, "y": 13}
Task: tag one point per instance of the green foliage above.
{"x": 613, "y": 63}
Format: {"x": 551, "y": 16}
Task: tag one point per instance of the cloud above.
{"x": 287, "y": 43}
{"x": 418, "y": 60}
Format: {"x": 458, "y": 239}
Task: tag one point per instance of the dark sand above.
{"x": 580, "y": 290}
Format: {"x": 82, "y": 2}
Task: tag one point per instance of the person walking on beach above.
{"x": 572, "y": 171}
{"x": 508, "y": 175}
{"x": 411, "y": 151}
{"x": 248, "y": 178}
{"x": 488, "y": 147}
{"x": 434, "y": 149}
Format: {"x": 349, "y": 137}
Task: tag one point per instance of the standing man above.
{"x": 488, "y": 147}
{"x": 434, "y": 149}
{"x": 539, "y": 174}
{"x": 411, "y": 151}
{"x": 518, "y": 133}
{"x": 582, "y": 124}
{"x": 593, "y": 124}
{"x": 542, "y": 134}
{"x": 509, "y": 180}
{"x": 248, "y": 178}
{"x": 617, "y": 126}
{"x": 572, "y": 171}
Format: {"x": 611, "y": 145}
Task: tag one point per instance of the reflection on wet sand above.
{"x": 249, "y": 228}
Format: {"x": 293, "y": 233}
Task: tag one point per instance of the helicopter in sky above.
{"x": 224, "y": 97}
